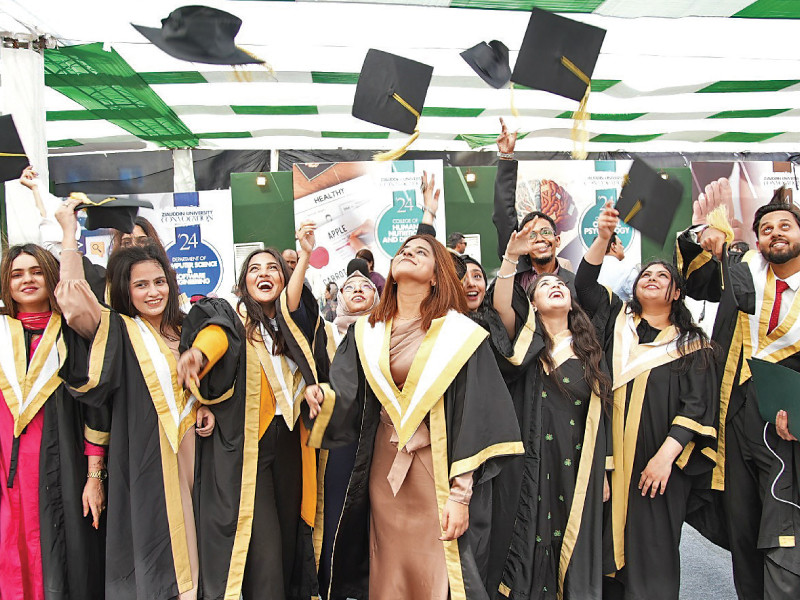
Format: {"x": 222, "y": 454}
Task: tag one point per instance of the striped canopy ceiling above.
{"x": 677, "y": 75}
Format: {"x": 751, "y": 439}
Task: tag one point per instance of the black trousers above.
{"x": 748, "y": 465}
{"x": 276, "y": 514}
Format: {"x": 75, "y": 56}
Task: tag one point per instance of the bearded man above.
{"x": 758, "y": 463}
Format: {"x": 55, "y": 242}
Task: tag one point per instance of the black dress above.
{"x": 548, "y": 510}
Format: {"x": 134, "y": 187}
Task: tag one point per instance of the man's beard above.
{"x": 779, "y": 257}
{"x": 542, "y": 260}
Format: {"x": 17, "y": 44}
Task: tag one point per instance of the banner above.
{"x": 196, "y": 229}
{"x": 743, "y": 187}
{"x": 572, "y": 193}
{"x": 357, "y": 205}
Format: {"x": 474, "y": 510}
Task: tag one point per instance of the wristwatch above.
{"x": 101, "y": 474}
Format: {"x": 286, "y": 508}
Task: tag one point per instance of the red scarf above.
{"x": 34, "y": 322}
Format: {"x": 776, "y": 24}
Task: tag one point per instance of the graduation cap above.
{"x": 558, "y": 55}
{"x": 648, "y": 201}
{"x": 490, "y": 62}
{"x": 200, "y": 34}
{"x": 391, "y": 93}
{"x": 114, "y": 212}
{"x": 12, "y": 155}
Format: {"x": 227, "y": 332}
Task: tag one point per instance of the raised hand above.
{"x": 305, "y": 236}
{"x": 519, "y": 243}
{"x": 430, "y": 194}
{"x": 607, "y": 221}
{"x": 717, "y": 193}
{"x": 506, "y": 141}
{"x": 28, "y": 178}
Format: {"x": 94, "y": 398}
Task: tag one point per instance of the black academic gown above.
{"x": 677, "y": 397}
{"x": 473, "y": 428}
{"x": 146, "y": 549}
{"x": 569, "y": 562}
{"x": 228, "y": 461}
{"x": 72, "y": 550}
{"x": 749, "y": 520}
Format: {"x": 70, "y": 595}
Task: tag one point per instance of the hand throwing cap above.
{"x": 200, "y": 34}
{"x": 114, "y": 212}
{"x": 648, "y": 201}
{"x": 490, "y": 62}
{"x": 12, "y": 155}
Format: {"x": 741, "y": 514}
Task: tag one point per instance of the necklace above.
{"x": 408, "y": 318}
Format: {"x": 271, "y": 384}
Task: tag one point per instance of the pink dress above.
{"x": 20, "y": 546}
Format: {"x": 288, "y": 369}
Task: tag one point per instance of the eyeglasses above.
{"x": 545, "y": 232}
{"x": 351, "y": 289}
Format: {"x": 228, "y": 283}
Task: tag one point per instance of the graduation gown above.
{"x": 228, "y": 461}
{"x": 553, "y": 504}
{"x": 657, "y": 394}
{"x": 454, "y": 381}
{"x": 751, "y": 518}
{"x": 46, "y": 545}
{"x": 129, "y": 368}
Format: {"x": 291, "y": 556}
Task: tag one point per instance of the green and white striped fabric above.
{"x": 673, "y": 76}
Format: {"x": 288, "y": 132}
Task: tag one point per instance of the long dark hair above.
{"x": 120, "y": 264}
{"x": 256, "y": 317}
{"x": 447, "y": 294}
{"x": 679, "y": 314}
{"x": 47, "y": 263}
{"x": 584, "y": 343}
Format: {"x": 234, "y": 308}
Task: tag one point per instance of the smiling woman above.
{"x": 261, "y": 474}
{"x": 131, "y": 366}
{"x": 550, "y": 516}
{"x": 42, "y": 458}
{"x": 664, "y": 427}
{"x": 408, "y": 385}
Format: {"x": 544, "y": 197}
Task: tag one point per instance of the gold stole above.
{"x": 447, "y": 346}
{"x": 27, "y": 387}
{"x": 175, "y": 408}
{"x": 284, "y": 378}
{"x": 750, "y": 339}
{"x": 633, "y": 362}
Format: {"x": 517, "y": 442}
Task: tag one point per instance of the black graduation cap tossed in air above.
{"x": 490, "y": 62}
{"x": 200, "y": 34}
{"x": 558, "y": 55}
{"x": 114, "y": 212}
{"x": 648, "y": 201}
{"x": 12, "y": 155}
{"x": 391, "y": 92}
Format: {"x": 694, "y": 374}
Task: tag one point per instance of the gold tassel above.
{"x": 514, "y": 110}
{"x": 84, "y": 199}
{"x": 398, "y": 152}
{"x": 718, "y": 219}
{"x": 580, "y": 118}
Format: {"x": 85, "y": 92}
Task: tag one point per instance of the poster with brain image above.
{"x": 572, "y": 193}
